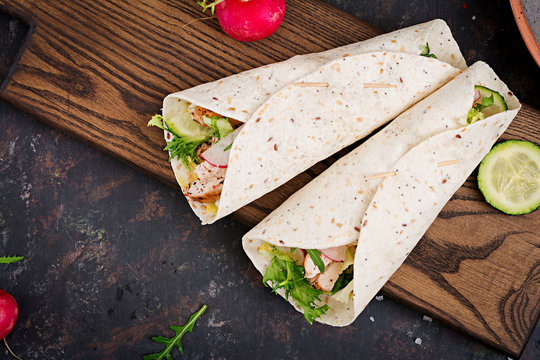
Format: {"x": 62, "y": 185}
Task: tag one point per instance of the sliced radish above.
{"x": 216, "y": 155}
{"x": 477, "y": 95}
{"x": 337, "y": 254}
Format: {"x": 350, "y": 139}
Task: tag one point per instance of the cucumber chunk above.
{"x": 221, "y": 126}
{"x": 183, "y": 126}
{"x": 509, "y": 177}
{"x": 499, "y": 105}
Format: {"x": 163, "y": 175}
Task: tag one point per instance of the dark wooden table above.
{"x": 113, "y": 257}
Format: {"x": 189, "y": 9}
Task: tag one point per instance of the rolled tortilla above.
{"x": 430, "y": 149}
{"x": 289, "y": 127}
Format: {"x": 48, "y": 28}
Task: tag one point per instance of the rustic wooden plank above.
{"x": 99, "y": 70}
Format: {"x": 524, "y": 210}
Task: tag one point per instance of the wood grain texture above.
{"x": 99, "y": 70}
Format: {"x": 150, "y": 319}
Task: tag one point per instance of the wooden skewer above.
{"x": 307, "y": 84}
{"x": 379, "y": 86}
{"x": 392, "y": 173}
{"x": 386, "y": 174}
{"x": 449, "y": 162}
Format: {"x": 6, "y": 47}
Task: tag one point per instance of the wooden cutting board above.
{"x": 98, "y": 70}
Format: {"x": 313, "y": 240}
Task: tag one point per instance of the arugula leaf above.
{"x": 343, "y": 280}
{"x": 175, "y": 340}
{"x": 228, "y": 147}
{"x": 426, "y": 53}
{"x": 284, "y": 273}
{"x": 315, "y": 255}
{"x": 293, "y": 249}
{"x": 178, "y": 148}
{"x": 10, "y": 259}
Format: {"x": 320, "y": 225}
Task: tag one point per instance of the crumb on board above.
{"x": 379, "y": 298}
{"x": 418, "y": 341}
{"x": 427, "y": 318}
{"x": 372, "y": 319}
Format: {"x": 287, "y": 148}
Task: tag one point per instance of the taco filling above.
{"x": 201, "y": 140}
{"x": 306, "y": 274}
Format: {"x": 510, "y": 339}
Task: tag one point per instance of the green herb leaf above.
{"x": 426, "y": 53}
{"x": 228, "y": 147}
{"x": 343, "y": 280}
{"x": 10, "y": 259}
{"x": 284, "y": 273}
{"x": 175, "y": 340}
{"x": 293, "y": 250}
{"x": 315, "y": 255}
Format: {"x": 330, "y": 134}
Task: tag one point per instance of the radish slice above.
{"x": 337, "y": 254}
{"x": 216, "y": 155}
{"x": 477, "y": 95}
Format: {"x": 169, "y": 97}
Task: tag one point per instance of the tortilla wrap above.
{"x": 290, "y": 128}
{"x": 387, "y": 216}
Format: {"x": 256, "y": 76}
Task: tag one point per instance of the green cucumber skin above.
{"x": 481, "y": 177}
{"x": 497, "y": 98}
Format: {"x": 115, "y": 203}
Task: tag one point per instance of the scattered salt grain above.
{"x": 372, "y": 319}
{"x": 418, "y": 341}
{"x": 379, "y": 298}
{"x": 474, "y": 17}
{"x": 427, "y": 318}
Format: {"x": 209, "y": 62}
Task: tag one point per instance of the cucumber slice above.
{"x": 509, "y": 177}
{"x": 222, "y": 125}
{"x": 183, "y": 126}
{"x": 499, "y": 105}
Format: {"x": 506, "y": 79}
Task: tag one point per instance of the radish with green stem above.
{"x": 247, "y": 20}
{"x": 9, "y": 311}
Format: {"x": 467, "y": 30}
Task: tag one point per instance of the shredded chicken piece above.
{"x": 198, "y": 112}
{"x": 207, "y": 188}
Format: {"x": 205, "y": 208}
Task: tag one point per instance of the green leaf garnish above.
{"x": 284, "y": 273}
{"x": 178, "y": 148}
{"x": 293, "y": 249}
{"x": 315, "y": 255}
{"x": 228, "y": 147}
{"x": 343, "y": 280}
{"x": 426, "y": 53}
{"x": 175, "y": 340}
{"x": 10, "y": 259}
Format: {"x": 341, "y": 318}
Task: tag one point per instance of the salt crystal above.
{"x": 379, "y": 298}
{"x": 474, "y": 17}
{"x": 371, "y": 318}
{"x": 427, "y": 318}
{"x": 418, "y": 341}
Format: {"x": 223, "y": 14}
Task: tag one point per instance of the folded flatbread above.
{"x": 302, "y": 110}
{"x": 424, "y": 156}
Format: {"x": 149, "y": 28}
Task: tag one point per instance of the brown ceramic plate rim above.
{"x": 525, "y": 30}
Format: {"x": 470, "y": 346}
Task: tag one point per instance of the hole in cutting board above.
{"x": 13, "y": 32}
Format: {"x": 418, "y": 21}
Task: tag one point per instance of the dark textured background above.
{"x": 113, "y": 257}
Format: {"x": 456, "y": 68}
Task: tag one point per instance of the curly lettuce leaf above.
{"x": 178, "y": 147}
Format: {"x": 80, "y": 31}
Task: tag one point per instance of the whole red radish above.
{"x": 250, "y": 20}
{"x": 9, "y": 310}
